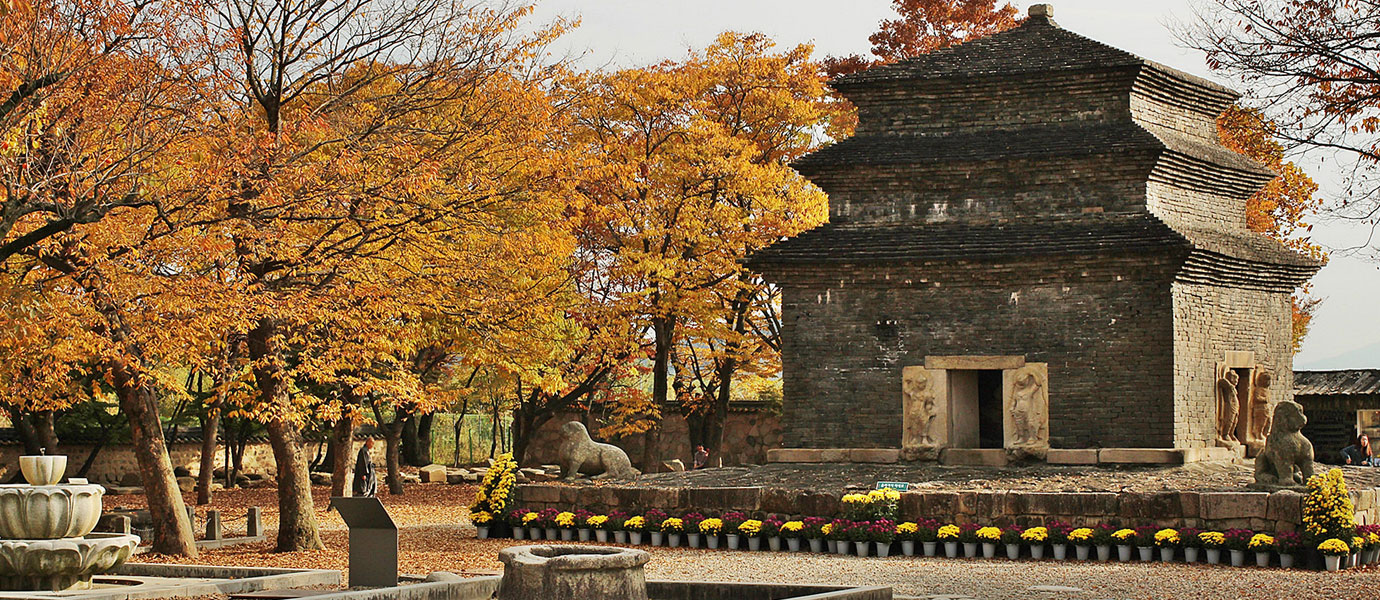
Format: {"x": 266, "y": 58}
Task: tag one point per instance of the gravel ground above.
{"x": 435, "y": 536}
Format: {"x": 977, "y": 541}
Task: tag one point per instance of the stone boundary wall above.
{"x": 1262, "y": 511}
{"x": 116, "y": 460}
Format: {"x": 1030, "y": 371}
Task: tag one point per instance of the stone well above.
{"x": 572, "y": 573}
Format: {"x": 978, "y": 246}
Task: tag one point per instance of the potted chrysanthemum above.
{"x": 1333, "y": 550}
{"x": 731, "y": 520}
{"x": 616, "y": 520}
{"x": 655, "y": 517}
{"x": 771, "y": 531}
{"x": 1212, "y": 545}
{"x": 710, "y": 529}
{"x": 1103, "y": 540}
{"x": 1036, "y": 538}
{"x": 1082, "y": 540}
{"x": 1262, "y": 544}
{"x": 905, "y": 533}
{"x": 1167, "y": 540}
{"x": 792, "y": 532}
{"x": 860, "y": 534}
{"x": 1145, "y": 542}
{"x": 927, "y": 533}
{"x": 634, "y": 526}
{"x": 565, "y": 521}
{"x": 531, "y": 520}
{"x": 752, "y": 530}
{"x": 1125, "y": 538}
{"x": 948, "y": 535}
{"x": 583, "y": 531}
{"x": 691, "y": 523}
{"x": 672, "y": 528}
{"x": 989, "y": 537}
{"x": 882, "y": 532}
{"x": 813, "y": 533}
{"x": 1059, "y": 539}
{"x": 546, "y": 520}
{"x": 600, "y": 525}
{"x": 1191, "y": 543}
{"x": 1358, "y": 545}
{"x": 1237, "y": 541}
{"x": 967, "y": 536}
{"x": 1287, "y": 545}
{"x": 482, "y": 521}
{"x": 1011, "y": 538}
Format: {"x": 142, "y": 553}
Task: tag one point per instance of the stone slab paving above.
{"x": 1205, "y": 476}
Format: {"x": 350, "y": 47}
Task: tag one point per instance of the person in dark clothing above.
{"x": 1359, "y": 453}
{"x": 701, "y": 459}
{"x": 366, "y": 484}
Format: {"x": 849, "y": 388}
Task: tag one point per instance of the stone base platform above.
{"x": 998, "y": 457}
{"x": 1204, "y": 494}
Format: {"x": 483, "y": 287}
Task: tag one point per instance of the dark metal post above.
{"x": 373, "y": 541}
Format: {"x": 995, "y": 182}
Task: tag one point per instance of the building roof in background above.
{"x": 1344, "y": 382}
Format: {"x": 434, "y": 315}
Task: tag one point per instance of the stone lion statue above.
{"x": 1287, "y": 458}
{"x": 580, "y": 454}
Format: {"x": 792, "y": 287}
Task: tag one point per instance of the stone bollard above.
{"x": 253, "y": 522}
{"x": 213, "y": 527}
{"x": 122, "y": 525}
{"x": 191, "y": 516}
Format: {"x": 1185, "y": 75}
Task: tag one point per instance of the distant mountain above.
{"x": 1365, "y": 357}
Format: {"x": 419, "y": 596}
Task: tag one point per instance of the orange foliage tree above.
{"x": 686, "y": 175}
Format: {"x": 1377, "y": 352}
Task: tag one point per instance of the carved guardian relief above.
{"x": 925, "y": 408}
{"x": 1026, "y": 399}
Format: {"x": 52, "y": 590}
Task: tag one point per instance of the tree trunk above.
{"x": 342, "y": 450}
{"x": 296, "y": 512}
{"x": 422, "y": 457}
{"x": 297, "y": 528}
{"x": 664, "y": 329}
{"x": 392, "y": 439}
{"x": 210, "y": 425}
{"x": 409, "y": 441}
{"x": 172, "y": 531}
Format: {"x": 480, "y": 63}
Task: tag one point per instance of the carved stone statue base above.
{"x": 914, "y": 453}
{"x": 1027, "y": 452}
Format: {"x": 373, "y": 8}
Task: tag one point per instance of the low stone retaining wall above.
{"x": 1261, "y": 511}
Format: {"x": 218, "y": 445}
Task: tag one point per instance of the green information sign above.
{"x": 899, "y": 486}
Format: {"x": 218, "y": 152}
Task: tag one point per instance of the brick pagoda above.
{"x": 1035, "y": 242}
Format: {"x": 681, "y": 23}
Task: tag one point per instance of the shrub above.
{"x": 813, "y": 527}
{"x": 711, "y": 526}
{"x": 565, "y": 520}
{"x": 1145, "y": 535}
{"x": 1261, "y": 542}
{"x": 1124, "y": 536}
{"x": 672, "y": 525}
{"x": 793, "y": 529}
{"x": 1188, "y": 538}
{"x": 582, "y": 518}
{"x": 908, "y": 531}
{"x": 598, "y": 522}
{"x": 692, "y": 521}
{"x": 1327, "y": 510}
{"x": 1035, "y": 535}
{"x": 926, "y": 530}
{"x": 949, "y": 533}
{"x": 654, "y": 518}
{"x": 1083, "y": 536}
{"x": 1211, "y": 539}
{"x": 496, "y": 489}
{"x": 732, "y": 520}
{"x": 967, "y": 532}
{"x": 636, "y": 523}
{"x": 1102, "y": 534}
{"x": 771, "y": 526}
{"x": 547, "y": 518}
{"x": 749, "y": 528}
{"x": 1059, "y": 532}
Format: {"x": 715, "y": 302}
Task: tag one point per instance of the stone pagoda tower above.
{"x": 1035, "y": 242}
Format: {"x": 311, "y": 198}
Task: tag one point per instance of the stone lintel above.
{"x": 980, "y": 457}
{"x": 1238, "y": 359}
{"x": 974, "y": 362}
{"x": 1080, "y": 456}
{"x": 1141, "y": 456}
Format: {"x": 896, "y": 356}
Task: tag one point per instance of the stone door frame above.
{"x": 928, "y": 419}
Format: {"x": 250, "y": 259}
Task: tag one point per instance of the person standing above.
{"x": 701, "y": 458}
{"x": 366, "y": 483}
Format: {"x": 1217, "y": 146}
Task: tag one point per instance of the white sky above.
{"x": 1346, "y": 330}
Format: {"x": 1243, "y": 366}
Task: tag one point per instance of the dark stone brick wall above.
{"x": 985, "y": 190}
{"x": 1330, "y": 431}
{"x": 940, "y": 105}
{"x": 1104, "y": 325}
{"x": 1210, "y": 321}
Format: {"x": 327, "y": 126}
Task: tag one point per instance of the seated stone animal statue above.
{"x": 1286, "y": 461}
{"x": 580, "y": 454}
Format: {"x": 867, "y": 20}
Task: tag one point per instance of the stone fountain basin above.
{"x": 57, "y": 565}
{"x": 572, "y": 573}
{"x": 49, "y": 512}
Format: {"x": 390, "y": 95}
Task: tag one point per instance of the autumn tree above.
{"x": 923, "y": 26}
{"x": 362, "y": 140}
{"x": 1313, "y": 69}
{"x": 689, "y": 176}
